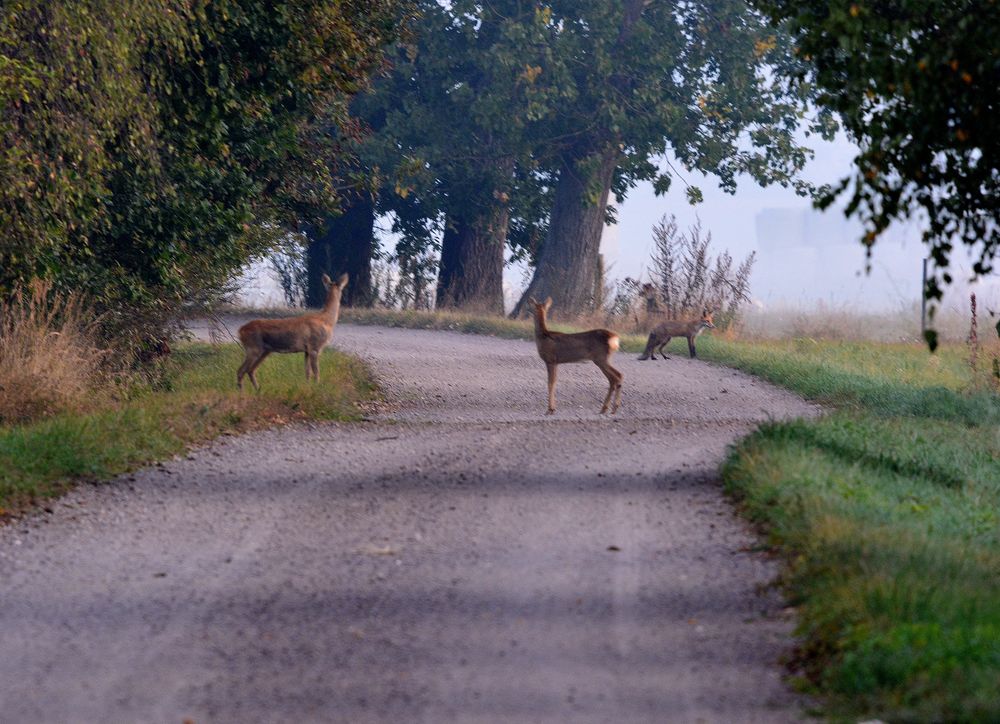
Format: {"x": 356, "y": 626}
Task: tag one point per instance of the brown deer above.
{"x": 595, "y": 345}
{"x": 665, "y": 331}
{"x": 307, "y": 333}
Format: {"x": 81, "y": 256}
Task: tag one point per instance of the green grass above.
{"x": 886, "y": 510}
{"x": 888, "y": 513}
{"x": 196, "y": 401}
{"x": 446, "y": 321}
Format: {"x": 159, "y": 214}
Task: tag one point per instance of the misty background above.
{"x": 807, "y": 259}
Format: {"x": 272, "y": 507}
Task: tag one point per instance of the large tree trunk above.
{"x": 471, "y": 273}
{"x": 567, "y": 261}
{"x": 345, "y": 244}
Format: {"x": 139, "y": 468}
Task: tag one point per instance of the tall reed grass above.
{"x": 50, "y": 360}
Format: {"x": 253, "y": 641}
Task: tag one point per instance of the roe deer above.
{"x": 307, "y": 333}
{"x": 665, "y": 331}
{"x": 596, "y": 345}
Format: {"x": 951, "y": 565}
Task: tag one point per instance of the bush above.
{"x": 687, "y": 278}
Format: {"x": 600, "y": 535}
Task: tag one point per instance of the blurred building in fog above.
{"x": 805, "y": 256}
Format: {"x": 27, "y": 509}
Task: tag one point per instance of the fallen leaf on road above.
{"x": 374, "y": 550}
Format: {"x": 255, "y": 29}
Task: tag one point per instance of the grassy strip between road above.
{"x": 887, "y": 512}
{"x": 196, "y": 401}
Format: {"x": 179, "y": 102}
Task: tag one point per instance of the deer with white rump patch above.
{"x": 307, "y": 333}
{"x": 595, "y": 345}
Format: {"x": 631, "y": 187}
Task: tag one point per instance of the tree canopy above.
{"x": 141, "y": 139}
{"x": 704, "y": 81}
{"x": 453, "y": 141}
{"x": 917, "y": 84}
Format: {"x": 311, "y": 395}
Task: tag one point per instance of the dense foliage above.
{"x": 512, "y": 123}
{"x": 141, "y": 139}
{"x": 455, "y": 144}
{"x": 705, "y": 82}
{"x": 917, "y": 84}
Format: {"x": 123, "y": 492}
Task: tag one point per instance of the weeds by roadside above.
{"x": 195, "y": 400}
{"x": 50, "y": 361}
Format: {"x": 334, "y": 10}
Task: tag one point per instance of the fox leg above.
{"x": 691, "y": 347}
{"x": 663, "y": 347}
{"x": 648, "y": 352}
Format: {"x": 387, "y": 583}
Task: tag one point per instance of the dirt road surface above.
{"x": 461, "y": 557}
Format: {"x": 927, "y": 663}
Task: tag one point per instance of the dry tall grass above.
{"x": 49, "y": 359}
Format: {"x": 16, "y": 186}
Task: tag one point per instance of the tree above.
{"x": 344, "y": 242}
{"x": 637, "y": 79}
{"x": 455, "y": 146}
{"x": 141, "y": 139}
{"x": 917, "y": 85}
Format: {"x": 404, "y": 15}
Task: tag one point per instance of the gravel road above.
{"x": 460, "y": 557}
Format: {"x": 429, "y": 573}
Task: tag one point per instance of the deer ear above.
{"x": 326, "y": 281}
{"x": 548, "y": 303}
{"x": 342, "y": 282}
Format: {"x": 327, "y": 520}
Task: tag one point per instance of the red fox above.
{"x": 665, "y": 331}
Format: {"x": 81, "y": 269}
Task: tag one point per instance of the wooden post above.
{"x": 923, "y": 300}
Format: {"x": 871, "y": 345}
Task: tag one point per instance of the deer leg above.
{"x": 253, "y": 368}
{"x": 552, "y": 388}
{"x": 314, "y": 361}
{"x": 614, "y": 383}
{"x": 240, "y": 372}
{"x": 618, "y": 391}
{"x": 305, "y": 356}
{"x": 248, "y": 360}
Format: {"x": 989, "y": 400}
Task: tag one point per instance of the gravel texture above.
{"x": 460, "y": 557}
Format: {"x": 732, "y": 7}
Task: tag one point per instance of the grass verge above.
{"x": 197, "y": 401}
{"x": 888, "y": 513}
{"x": 886, "y": 510}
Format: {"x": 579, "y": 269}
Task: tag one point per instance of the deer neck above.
{"x": 331, "y": 310}
{"x": 541, "y": 328}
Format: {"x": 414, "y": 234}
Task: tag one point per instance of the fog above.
{"x": 804, "y": 257}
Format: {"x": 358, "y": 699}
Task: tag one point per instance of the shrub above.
{"x": 687, "y": 278}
